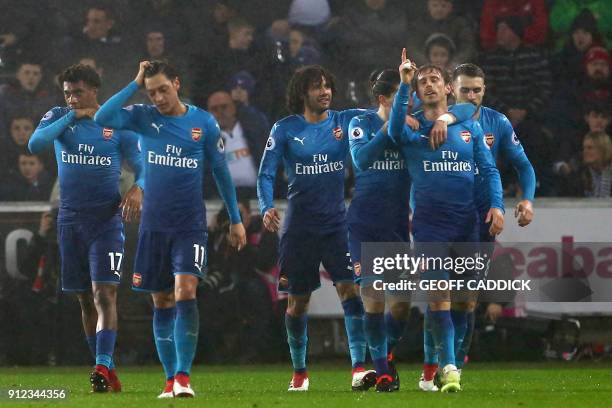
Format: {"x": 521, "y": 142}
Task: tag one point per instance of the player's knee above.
{"x": 163, "y": 300}
{"x": 347, "y": 290}
{"x": 439, "y": 305}
{"x": 372, "y": 306}
{"x": 297, "y": 306}
{"x": 464, "y": 306}
{"x": 184, "y": 292}
{"x": 105, "y": 298}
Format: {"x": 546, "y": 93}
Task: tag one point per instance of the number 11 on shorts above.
{"x": 199, "y": 255}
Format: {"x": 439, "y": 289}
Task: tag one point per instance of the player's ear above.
{"x": 448, "y": 88}
{"x": 176, "y": 83}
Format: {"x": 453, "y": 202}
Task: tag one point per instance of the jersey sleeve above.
{"x": 214, "y": 151}
{"x": 398, "y": 131}
{"x": 112, "y": 113}
{"x": 486, "y": 165}
{"x": 462, "y": 111}
{"x": 51, "y": 126}
{"x": 513, "y": 150}
{"x": 130, "y": 150}
{"x": 273, "y": 155}
{"x": 365, "y": 150}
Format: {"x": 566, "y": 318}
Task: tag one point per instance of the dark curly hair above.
{"x": 80, "y": 72}
{"x": 301, "y": 81}
{"x": 161, "y": 67}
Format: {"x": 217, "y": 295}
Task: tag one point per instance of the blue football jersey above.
{"x": 89, "y": 158}
{"x": 382, "y": 181}
{"x": 503, "y": 142}
{"x": 314, "y": 156}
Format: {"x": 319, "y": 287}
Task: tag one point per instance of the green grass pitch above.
{"x": 485, "y": 385}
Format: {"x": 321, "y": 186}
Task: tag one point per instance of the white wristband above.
{"x": 448, "y": 118}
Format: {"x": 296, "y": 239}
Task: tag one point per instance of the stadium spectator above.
{"x": 439, "y": 50}
{"x": 441, "y": 19}
{"x": 20, "y": 130}
{"x": 241, "y": 86}
{"x": 26, "y": 95}
{"x": 596, "y": 85}
{"x": 32, "y": 183}
{"x": 244, "y": 135}
{"x": 302, "y": 49}
{"x": 583, "y": 34}
{"x": 532, "y": 13}
{"x": 564, "y": 12}
{"x": 592, "y": 175}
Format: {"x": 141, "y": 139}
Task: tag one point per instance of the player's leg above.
{"x": 105, "y": 299}
{"x": 430, "y": 356}
{"x": 336, "y": 260}
{"x": 188, "y": 260}
{"x": 296, "y": 323}
{"x": 164, "y": 315}
{"x": 462, "y": 314}
{"x": 396, "y": 320}
{"x": 153, "y": 274}
{"x": 89, "y": 318}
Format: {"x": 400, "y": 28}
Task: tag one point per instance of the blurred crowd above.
{"x": 547, "y": 65}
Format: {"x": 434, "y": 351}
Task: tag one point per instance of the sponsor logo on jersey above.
{"x": 338, "y": 133}
{"x": 490, "y": 139}
{"x": 515, "y": 139}
{"x": 107, "y": 133}
{"x": 357, "y": 133}
{"x": 136, "y": 280}
{"x": 196, "y": 134}
{"x": 270, "y": 143}
{"x": 357, "y": 268}
{"x": 466, "y": 136}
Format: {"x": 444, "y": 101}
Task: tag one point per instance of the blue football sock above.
{"x": 297, "y": 338}
{"x": 376, "y": 335}
{"x": 186, "y": 330}
{"x": 459, "y": 318}
{"x": 443, "y": 334}
{"x": 353, "y": 321}
{"x": 163, "y": 332}
{"x": 395, "y": 330}
{"x": 105, "y": 346}
{"x": 464, "y": 348}
{"x": 429, "y": 346}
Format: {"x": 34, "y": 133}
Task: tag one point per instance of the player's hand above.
{"x": 141, "y": 69}
{"x": 524, "y": 213}
{"x": 85, "y": 113}
{"x": 438, "y": 134}
{"x": 493, "y": 312}
{"x": 131, "y": 204}
{"x": 495, "y": 216}
{"x": 237, "y": 236}
{"x": 271, "y": 220}
{"x": 407, "y": 68}
{"x": 412, "y": 123}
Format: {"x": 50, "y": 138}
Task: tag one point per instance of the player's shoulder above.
{"x": 364, "y": 119}
{"x": 55, "y": 113}
{"x": 347, "y": 113}
{"x": 287, "y": 123}
{"x": 202, "y": 113}
{"x": 493, "y": 115}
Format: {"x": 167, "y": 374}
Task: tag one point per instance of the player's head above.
{"x": 30, "y": 166}
{"x": 469, "y": 84}
{"x": 29, "y": 74}
{"x": 21, "y": 128}
{"x": 383, "y": 85}
{"x": 432, "y": 84}
{"x": 597, "y": 116}
{"x": 310, "y": 88}
{"x": 162, "y": 83}
{"x": 597, "y": 149}
{"x": 80, "y": 84}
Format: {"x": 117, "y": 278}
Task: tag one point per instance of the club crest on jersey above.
{"x": 136, "y": 280}
{"x": 338, "y": 133}
{"x": 490, "y": 139}
{"x": 196, "y": 134}
{"x": 107, "y": 133}
{"x": 357, "y": 268}
{"x": 357, "y": 133}
{"x": 466, "y": 136}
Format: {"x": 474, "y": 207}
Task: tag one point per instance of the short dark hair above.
{"x": 470, "y": 70}
{"x": 161, "y": 67}
{"x": 384, "y": 82}
{"x": 238, "y": 22}
{"x": 301, "y": 81}
{"x": 426, "y": 68}
{"x": 108, "y": 11}
{"x": 80, "y": 72}
{"x": 599, "y": 108}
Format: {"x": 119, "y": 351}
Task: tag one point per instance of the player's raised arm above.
{"x": 364, "y": 150}
{"x": 486, "y": 166}
{"x": 112, "y": 113}
{"x": 399, "y": 133}
{"x": 51, "y": 126}
{"x": 275, "y": 148}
